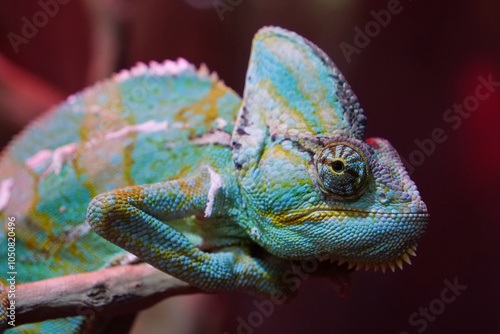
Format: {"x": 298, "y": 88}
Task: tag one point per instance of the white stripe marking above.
{"x": 38, "y": 159}
{"x": 215, "y": 184}
{"x": 5, "y": 188}
{"x": 217, "y": 137}
{"x": 149, "y": 126}
{"x": 60, "y": 156}
{"x": 221, "y": 123}
{"x": 57, "y": 159}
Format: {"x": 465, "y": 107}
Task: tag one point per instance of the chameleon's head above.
{"x": 312, "y": 186}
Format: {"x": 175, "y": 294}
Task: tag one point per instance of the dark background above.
{"x": 428, "y": 58}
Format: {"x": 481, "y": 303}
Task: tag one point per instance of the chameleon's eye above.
{"x": 342, "y": 171}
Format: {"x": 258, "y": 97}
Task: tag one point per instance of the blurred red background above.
{"x": 428, "y": 58}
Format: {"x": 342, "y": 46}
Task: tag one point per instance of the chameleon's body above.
{"x": 286, "y": 168}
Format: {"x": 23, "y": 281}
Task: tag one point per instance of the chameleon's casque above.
{"x": 175, "y": 168}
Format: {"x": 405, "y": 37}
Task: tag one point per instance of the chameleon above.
{"x": 165, "y": 162}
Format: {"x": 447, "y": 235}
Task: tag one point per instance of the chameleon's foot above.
{"x": 257, "y": 276}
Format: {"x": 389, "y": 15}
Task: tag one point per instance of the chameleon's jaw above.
{"x": 363, "y": 239}
{"x": 398, "y": 262}
{"x": 405, "y": 257}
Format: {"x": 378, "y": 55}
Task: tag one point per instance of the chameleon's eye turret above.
{"x": 342, "y": 171}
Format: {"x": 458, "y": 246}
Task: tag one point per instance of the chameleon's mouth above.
{"x": 366, "y": 235}
{"x": 321, "y": 215}
{"x": 396, "y": 263}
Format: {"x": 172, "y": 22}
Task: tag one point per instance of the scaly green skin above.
{"x": 294, "y": 176}
{"x": 132, "y": 129}
{"x": 298, "y": 118}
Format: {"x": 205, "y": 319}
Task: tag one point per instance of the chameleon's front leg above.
{"x": 134, "y": 219}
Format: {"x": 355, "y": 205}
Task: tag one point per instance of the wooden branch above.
{"x": 117, "y": 290}
{"x": 110, "y": 291}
